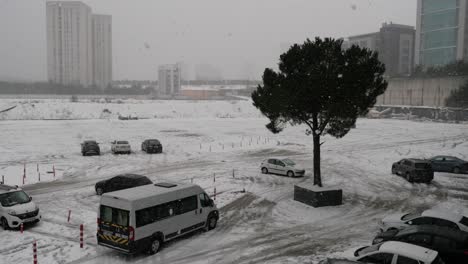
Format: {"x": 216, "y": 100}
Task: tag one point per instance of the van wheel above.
{"x": 290, "y": 174}
{"x": 154, "y": 246}
{"x": 5, "y": 225}
{"x": 212, "y": 222}
{"x": 264, "y": 170}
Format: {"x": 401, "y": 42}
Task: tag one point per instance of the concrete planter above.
{"x": 316, "y": 196}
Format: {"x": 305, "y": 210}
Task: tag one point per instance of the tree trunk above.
{"x": 317, "y": 173}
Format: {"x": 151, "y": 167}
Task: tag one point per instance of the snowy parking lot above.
{"x": 262, "y": 225}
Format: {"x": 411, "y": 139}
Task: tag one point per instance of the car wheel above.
{"x": 212, "y": 222}
{"x": 456, "y": 170}
{"x": 99, "y": 191}
{"x": 154, "y": 246}
{"x": 290, "y": 174}
{"x": 408, "y": 177}
{"x": 264, "y": 170}
{"x": 5, "y": 225}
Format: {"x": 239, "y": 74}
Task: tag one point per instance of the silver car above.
{"x": 281, "y": 166}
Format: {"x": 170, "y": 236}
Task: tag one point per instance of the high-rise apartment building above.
{"x": 442, "y": 32}
{"x": 169, "y": 79}
{"x": 102, "y": 50}
{"x": 395, "y": 45}
{"x": 79, "y": 49}
{"x": 69, "y": 42}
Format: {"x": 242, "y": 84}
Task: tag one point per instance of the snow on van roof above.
{"x": 141, "y": 192}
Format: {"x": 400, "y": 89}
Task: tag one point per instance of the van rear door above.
{"x": 113, "y": 228}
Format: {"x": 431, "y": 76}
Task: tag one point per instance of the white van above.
{"x": 142, "y": 218}
{"x": 16, "y": 207}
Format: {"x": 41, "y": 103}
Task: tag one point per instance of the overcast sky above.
{"x": 240, "y": 37}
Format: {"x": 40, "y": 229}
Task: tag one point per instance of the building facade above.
{"x": 169, "y": 82}
{"x": 69, "y": 43}
{"x": 102, "y": 50}
{"x": 76, "y": 54}
{"x": 441, "y": 32}
{"x": 395, "y": 45}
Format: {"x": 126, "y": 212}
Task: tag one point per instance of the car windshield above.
{"x": 122, "y": 142}
{"x": 410, "y": 216}
{"x": 13, "y": 198}
{"x": 368, "y": 249}
{"x": 153, "y": 142}
{"x": 289, "y": 162}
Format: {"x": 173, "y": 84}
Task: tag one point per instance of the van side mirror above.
{"x": 212, "y": 203}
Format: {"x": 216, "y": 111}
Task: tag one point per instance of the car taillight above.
{"x": 131, "y": 233}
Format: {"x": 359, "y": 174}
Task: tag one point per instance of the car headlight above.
{"x": 377, "y": 241}
{"x": 12, "y": 212}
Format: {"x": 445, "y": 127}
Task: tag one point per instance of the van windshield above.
{"x": 114, "y": 215}
{"x": 13, "y": 198}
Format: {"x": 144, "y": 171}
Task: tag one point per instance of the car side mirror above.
{"x": 30, "y": 198}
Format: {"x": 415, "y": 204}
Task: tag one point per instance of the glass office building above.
{"x": 440, "y": 32}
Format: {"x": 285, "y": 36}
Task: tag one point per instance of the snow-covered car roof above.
{"x": 8, "y": 188}
{"x": 443, "y": 215}
{"x": 409, "y": 250}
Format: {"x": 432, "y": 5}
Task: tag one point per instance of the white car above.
{"x": 428, "y": 217}
{"x": 16, "y": 207}
{"x": 397, "y": 252}
{"x": 281, "y": 166}
{"x": 120, "y": 146}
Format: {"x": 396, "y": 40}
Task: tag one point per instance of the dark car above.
{"x": 449, "y": 164}
{"x": 90, "y": 147}
{"x": 451, "y": 244}
{"x": 120, "y": 182}
{"x": 151, "y": 146}
{"x": 414, "y": 170}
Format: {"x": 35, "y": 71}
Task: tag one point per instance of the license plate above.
{"x": 29, "y": 220}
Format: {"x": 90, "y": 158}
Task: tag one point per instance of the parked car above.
{"x": 281, "y": 166}
{"x": 16, "y": 208}
{"x": 90, "y": 147}
{"x": 121, "y": 182}
{"x": 397, "y": 253}
{"x": 452, "y": 245}
{"x": 414, "y": 170}
{"x": 151, "y": 146}
{"x": 143, "y": 218}
{"x": 428, "y": 217}
{"x": 449, "y": 164}
{"x": 120, "y": 146}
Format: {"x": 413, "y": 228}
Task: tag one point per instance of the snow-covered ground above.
{"x": 263, "y": 225}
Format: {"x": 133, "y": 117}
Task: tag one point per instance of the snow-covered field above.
{"x": 263, "y": 225}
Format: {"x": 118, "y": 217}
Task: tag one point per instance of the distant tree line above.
{"x": 458, "y": 68}
{"x": 53, "y": 88}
